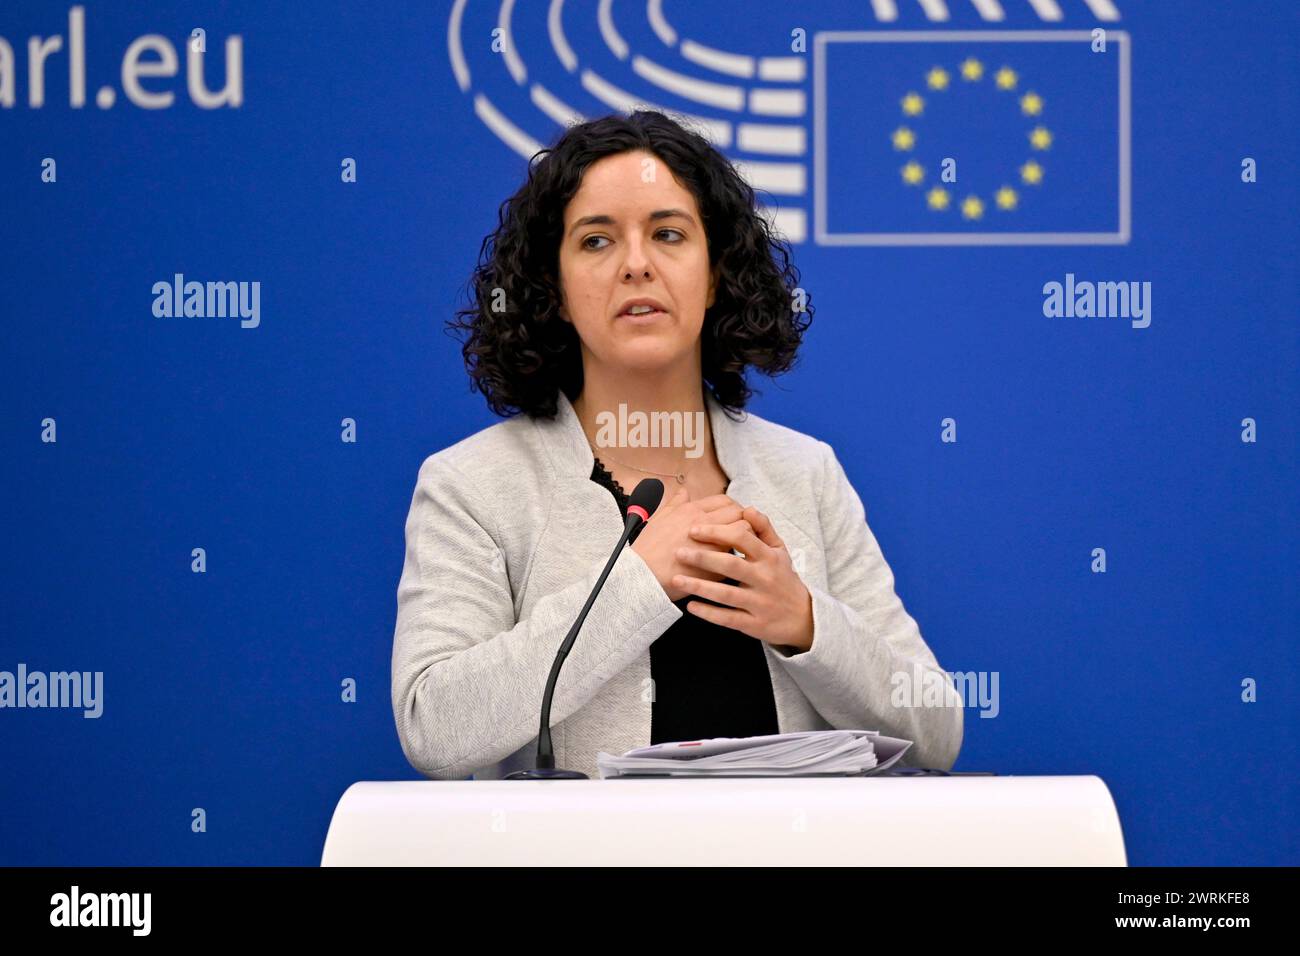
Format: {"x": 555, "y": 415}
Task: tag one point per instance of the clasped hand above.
{"x": 689, "y": 544}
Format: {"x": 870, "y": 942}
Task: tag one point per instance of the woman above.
{"x": 631, "y": 275}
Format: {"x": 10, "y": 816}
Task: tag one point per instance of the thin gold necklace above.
{"x": 680, "y": 476}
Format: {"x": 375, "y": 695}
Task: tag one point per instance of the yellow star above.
{"x": 913, "y": 173}
{"x": 971, "y": 207}
{"x": 904, "y": 138}
{"x": 1040, "y": 138}
{"x": 937, "y": 198}
{"x": 971, "y": 69}
{"x": 1031, "y": 104}
{"x": 1031, "y": 173}
{"x": 1006, "y": 198}
{"x": 937, "y": 78}
{"x": 913, "y": 104}
{"x": 1005, "y": 78}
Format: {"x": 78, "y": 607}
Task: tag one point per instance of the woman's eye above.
{"x": 672, "y": 236}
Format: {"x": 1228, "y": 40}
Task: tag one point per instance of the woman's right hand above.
{"x": 669, "y": 529}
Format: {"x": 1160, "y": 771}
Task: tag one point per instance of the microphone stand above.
{"x": 643, "y": 502}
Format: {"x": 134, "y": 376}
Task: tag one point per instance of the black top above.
{"x": 709, "y": 680}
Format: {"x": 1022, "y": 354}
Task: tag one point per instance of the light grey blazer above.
{"x": 505, "y": 538}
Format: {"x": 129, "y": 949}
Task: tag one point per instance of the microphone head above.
{"x": 646, "y": 497}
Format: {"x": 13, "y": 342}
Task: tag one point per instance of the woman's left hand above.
{"x": 770, "y": 602}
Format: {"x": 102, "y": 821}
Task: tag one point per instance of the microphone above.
{"x": 646, "y": 497}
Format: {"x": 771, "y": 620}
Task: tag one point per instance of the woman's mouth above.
{"x": 643, "y": 317}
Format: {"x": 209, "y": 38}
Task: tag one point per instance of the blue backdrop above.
{"x": 130, "y": 438}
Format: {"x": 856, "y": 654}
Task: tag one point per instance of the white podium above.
{"x": 743, "y": 821}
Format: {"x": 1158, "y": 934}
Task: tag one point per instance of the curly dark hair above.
{"x": 520, "y": 357}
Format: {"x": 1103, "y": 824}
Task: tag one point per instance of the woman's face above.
{"x": 633, "y": 232}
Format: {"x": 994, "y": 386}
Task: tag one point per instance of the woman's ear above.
{"x": 714, "y": 274}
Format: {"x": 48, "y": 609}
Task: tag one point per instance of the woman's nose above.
{"x": 636, "y": 263}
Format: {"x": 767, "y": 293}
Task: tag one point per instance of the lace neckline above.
{"x": 607, "y": 478}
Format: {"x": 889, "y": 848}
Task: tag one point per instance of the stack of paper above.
{"x": 810, "y": 753}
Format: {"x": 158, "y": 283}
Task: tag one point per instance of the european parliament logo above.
{"x": 895, "y": 136}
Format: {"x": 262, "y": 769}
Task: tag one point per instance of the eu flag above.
{"x": 999, "y": 137}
